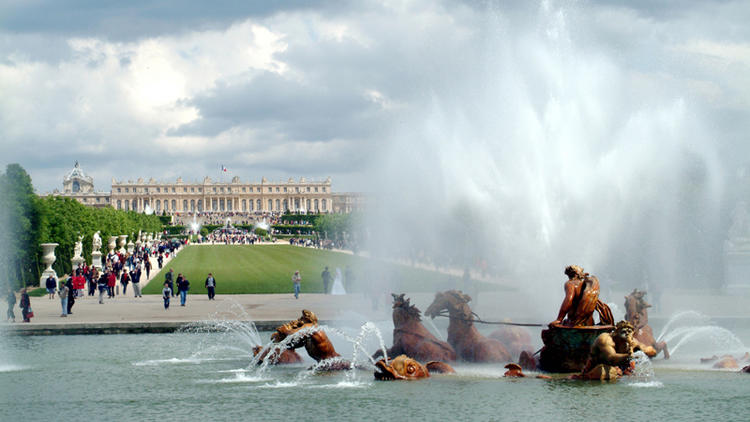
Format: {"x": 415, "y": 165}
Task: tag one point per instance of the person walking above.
{"x": 51, "y": 285}
{"x": 211, "y": 286}
{"x": 183, "y": 285}
{"x": 135, "y": 278}
{"x": 124, "y": 280}
{"x": 147, "y": 265}
{"x": 25, "y": 306}
{"x": 111, "y": 282}
{"x": 166, "y": 294}
{"x": 63, "y": 293}
{"x": 71, "y": 295}
{"x": 102, "y": 285}
{"x": 169, "y": 278}
{"x": 11, "y": 303}
{"x": 296, "y": 280}
{"x": 326, "y": 275}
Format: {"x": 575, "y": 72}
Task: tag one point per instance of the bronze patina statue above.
{"x": 581, "y": 300}
{"x": 403, "y": 367}
{"x": 636, "y": 313}
{"x": 411, "y": 338}
{"x": 611, "y": 354}
{"x": 316, "y": 342}
{"x": 278, "y": 356}
{"x": 466, "y": 340}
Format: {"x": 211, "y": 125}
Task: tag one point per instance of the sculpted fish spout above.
{"x": 403, "y": 367}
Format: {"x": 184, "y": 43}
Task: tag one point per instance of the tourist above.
{"x": 63, "y": 293}
{"x": 25, "y": 306}
{"x": 296, "y": 280}
{"x": 51, "y": 284}
{"x": 326, "y": 275}
{"x": 71, "y": 295}
{"x": 124, "y": 280}
{"x": 78, "y": 283}
{"x": 169, "y": 278}
{"x": 111, "y": 282}
{"x": 211, "y": 286}
{"x": 183, "y": 285}
{"x": 11, "y": 303}
{"x": 135, "y": 278}
{"x": 160, "y": 259}
{"x": 93, "y": 278}
{"x": 166, "y": 293}
{"x": 147, "y": 265}
{"x": 102, "y": 284}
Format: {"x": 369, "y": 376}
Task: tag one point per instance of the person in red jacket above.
{"x": 111, "y": 282}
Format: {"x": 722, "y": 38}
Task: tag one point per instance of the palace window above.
{"x": 258, "y": 204}
{"x": 184, "y": 189}
{"x": 316, "y": 189}
{"x": 244, "y": 189}
{"x": 192, "y": 189}
{"x": 270, "y": 204}
{"x": 278, "y": 190}
{"x": 324, "y": 189}
{"x": 214, "y": 188}
{"x": 284, "y": 189}
{"x": 174, "y": 190}
{"x": 118, "y": 190}
{"x": 158, "y": 190}
{"x": 200, "y": 189}
{"x": 126, "y": 190}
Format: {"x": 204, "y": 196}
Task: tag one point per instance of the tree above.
{"x": 19, "y": 228}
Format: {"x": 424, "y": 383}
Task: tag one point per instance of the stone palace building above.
{"x": 211, "y": 196}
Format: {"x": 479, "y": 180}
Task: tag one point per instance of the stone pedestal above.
{"x": 48, "y": 258}
{"x": 96, "y": 260}
{"x": 75, "y": 261}
{"x": 567, "y": 349}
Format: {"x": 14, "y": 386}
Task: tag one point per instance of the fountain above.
{"x": 338, "y": 285}
{"x": 568, "y": 339}
{"x": 48, "y": 258}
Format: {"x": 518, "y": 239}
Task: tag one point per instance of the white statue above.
{"x": 97, "y": 242}
{"x": 78, "y": 248}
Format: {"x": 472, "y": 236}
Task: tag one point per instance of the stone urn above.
{"x": 48, "y": 258}
{"x": 112, "y": 244}
{"x": 123, "y": 238}
{"x": 131, "y": 246}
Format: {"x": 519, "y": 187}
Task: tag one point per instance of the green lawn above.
{"x": 269, "y": 269}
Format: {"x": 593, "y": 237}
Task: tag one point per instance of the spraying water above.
{"x": 536, "y": 156}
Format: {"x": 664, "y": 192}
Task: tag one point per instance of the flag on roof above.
{"x": 224, "y": 169}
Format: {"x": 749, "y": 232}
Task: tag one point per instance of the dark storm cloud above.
{"x": 136, "y": 19}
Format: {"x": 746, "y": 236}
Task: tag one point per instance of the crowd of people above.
{"x": 219, "y": 218}
{"x": 235, "y": 237}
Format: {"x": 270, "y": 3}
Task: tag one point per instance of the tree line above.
{"x": 27, "y": 221}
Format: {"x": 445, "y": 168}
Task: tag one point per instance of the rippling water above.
{"x": 203, "y": 376}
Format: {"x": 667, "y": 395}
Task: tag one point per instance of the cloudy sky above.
{"x": 329, "y": 88}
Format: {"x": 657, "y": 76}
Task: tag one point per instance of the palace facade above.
{"x": 210, "y": 196}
